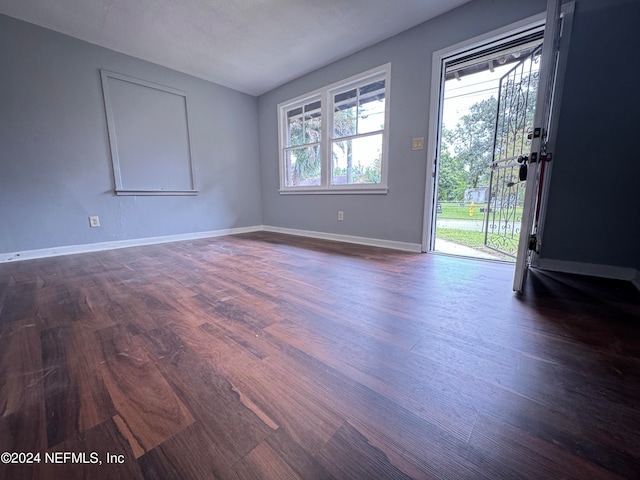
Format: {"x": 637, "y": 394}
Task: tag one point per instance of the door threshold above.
{"x": 471, "y": 257}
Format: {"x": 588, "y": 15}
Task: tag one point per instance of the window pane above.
{"x": 304, "y": 124}
{"x": 302, "y": 166}
{"x": 295, "y": 130}
{"x": 312, "y": 122}
{"x": 358, "y": 160}
{"x": 371, "y": 107}
{"x": 345, "y": 110}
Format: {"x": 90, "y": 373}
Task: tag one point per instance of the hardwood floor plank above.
{"x": 373, "y": 364}
{"x": 574, "y": 431}
{"x": 281, "y": 397}
{"x": 22, "y": 410}
{"x": 21, "y": 368}
{"x": 264, "y": 462}
{"x": 22, "y": 431}
{"x": 301, "y": 461}
{"x": 19, "y": 302}
{"x": 271, "y": 356}
{"x": 102, "y": 440}
{"x": 190, "y": 454}
{"x": 395, "y": 430}
{"x": 349, "y": 455}
{"x": 522, "y": 455}
{"x": 215, "y": 403}
{"x": 146, "y": 403}
{"x": 76, "y": 397}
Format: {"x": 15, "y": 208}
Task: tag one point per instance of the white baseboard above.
{"x": 97, "y": 247}
{"x": 594, "y": 270}
{"x": 372, "y": 242}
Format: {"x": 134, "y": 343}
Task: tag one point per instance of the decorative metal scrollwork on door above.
{"x": 514, "y": 121}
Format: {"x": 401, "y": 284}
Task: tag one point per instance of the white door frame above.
{"x": 435, "y": 113}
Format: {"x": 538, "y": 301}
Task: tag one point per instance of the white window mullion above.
{"x": 357, "y": 108}
{"x": 327, "y": 134}
{"x": 362, "y": 135}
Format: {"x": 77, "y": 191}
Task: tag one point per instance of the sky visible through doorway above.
{"x": 460, "y": 94}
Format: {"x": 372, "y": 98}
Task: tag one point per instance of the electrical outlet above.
{"x": 94, "y": 221}
{"x": 340, "y": 215}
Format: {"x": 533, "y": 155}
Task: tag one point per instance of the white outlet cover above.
{"x": 417, "y": 143}
{"x": 94, "y": 221}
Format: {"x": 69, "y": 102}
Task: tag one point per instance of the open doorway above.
{"x": 528, "y": 98}
{"x": 487, "y": 113}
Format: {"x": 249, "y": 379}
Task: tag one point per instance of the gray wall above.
{"x": 593, "y": 216}
{"x": 594, "y": 201}
{"x": 398, "y": 215}
{"x": 55, "y": 166}
{"x": 56, "y": 170}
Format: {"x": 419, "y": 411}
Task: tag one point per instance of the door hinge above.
{"x": 533, "y": 243}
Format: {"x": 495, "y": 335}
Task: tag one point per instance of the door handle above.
{"x": 522, "y": 172}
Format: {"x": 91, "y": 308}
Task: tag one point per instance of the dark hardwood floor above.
{"x": 265, "y": 356}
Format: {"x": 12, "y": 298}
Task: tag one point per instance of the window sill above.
{"x": 378, "y": 190}
{"x": 156, "y": 192}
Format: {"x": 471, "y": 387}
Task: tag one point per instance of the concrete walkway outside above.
{"x": 444, "y": 246}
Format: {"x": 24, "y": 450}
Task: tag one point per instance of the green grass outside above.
{"x": 454, "y": 210}
{"x": 469, "y": 238}
{"x": 462, "y": 237}
{"x": 464, "y": 212}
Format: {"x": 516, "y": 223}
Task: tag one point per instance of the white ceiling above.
{"x": 249, "y": 45}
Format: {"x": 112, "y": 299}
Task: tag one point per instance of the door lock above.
{"x": 522, "y": 171}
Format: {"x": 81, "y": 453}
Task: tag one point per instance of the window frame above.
{"x": 326, "y": 96}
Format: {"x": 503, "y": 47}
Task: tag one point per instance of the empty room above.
{"x": 340, "y": 239}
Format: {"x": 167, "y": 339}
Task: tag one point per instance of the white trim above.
{"x": 591, "y": 269}
{"x": 137, "y": 242}
{"x": 435, "y": 112}
{"x": 156, "y": 192}
{"x": 346, "y": 189}
{"x": 371, "y": 242}
{"x": 97, "y": 247}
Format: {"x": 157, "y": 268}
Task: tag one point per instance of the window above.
{"x": 334, "y": 140}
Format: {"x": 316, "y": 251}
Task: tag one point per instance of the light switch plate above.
{"x": 417, "y": 143}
